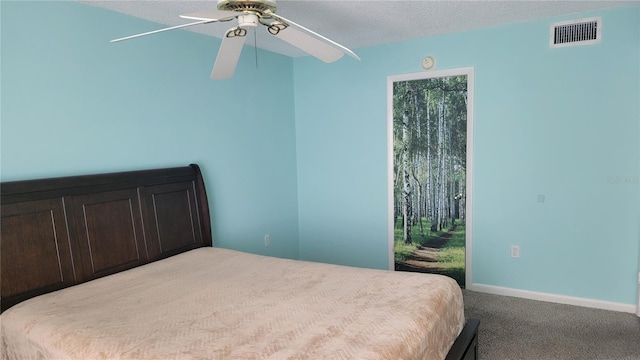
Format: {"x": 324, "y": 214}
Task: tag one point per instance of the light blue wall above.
{"x": 72, "y": 103}
{"x": 562, "y": 122}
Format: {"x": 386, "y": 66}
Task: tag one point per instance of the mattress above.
{"x": 213, "y": 303}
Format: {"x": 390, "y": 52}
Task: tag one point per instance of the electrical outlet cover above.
{"x": 515, "y": 251}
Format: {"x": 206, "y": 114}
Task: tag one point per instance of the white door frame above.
{"x": 468, "y": 71}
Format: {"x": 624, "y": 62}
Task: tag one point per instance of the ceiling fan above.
{"x": 250, "y": 14}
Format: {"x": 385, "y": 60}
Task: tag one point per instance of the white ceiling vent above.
{"x": 576, "y": 32}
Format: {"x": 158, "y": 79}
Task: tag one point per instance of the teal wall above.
{"x": 559, "y": 122}
{"x": 72, "y": 103}
{"x": 313, "y": 174}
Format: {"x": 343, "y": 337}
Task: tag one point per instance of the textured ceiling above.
{"x": 361, "y": 23}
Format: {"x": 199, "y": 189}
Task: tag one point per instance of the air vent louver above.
{"x": 576, "y": 32}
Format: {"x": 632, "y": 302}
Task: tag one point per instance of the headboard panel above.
{"x": 60, "y": 232}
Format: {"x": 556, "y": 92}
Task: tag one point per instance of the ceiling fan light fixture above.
{"x": 275, "y": 27}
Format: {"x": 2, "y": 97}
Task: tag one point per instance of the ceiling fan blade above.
{"x": 310, "y": 45}
{"x": 228, "y": 56}
{"x": 217, "y": 15}
{"x": 303, "y": 29}
{"x": 161, "y": 30}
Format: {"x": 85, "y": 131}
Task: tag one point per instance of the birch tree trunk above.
{"x": 406, "y": 187}
{"x": 440, "y": 168}
{"x": 418, "y": 216}
{"x": 418, "y": 170}
{"x": 430, "y": 193}
{"x": 444, "y": 210}
{"x": 462, "y": 202}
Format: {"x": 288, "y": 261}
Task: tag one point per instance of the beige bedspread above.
{"x": 213, "y": 303}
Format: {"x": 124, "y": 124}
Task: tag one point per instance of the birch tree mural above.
{"x": 429, "y": 150}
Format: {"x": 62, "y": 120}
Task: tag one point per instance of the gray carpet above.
{"x": 514, "y": 328}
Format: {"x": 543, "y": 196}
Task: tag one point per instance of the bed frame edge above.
{"x": 466, "y": 345}
{"x": 203, "y": 206}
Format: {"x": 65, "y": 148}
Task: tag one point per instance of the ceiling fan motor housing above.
{"x": 257, "y": 6}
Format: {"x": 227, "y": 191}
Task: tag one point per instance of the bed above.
{"x": 121, "y": 266}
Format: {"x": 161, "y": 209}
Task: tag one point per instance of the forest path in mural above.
{"x": 424, "y": 258}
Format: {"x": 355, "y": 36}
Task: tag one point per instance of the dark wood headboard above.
{"x": 60, "y": 232}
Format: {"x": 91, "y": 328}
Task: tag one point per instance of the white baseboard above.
{"x": 560, "y": 299}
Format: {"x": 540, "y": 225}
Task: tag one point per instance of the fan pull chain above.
{"x": 255, "y": 45}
